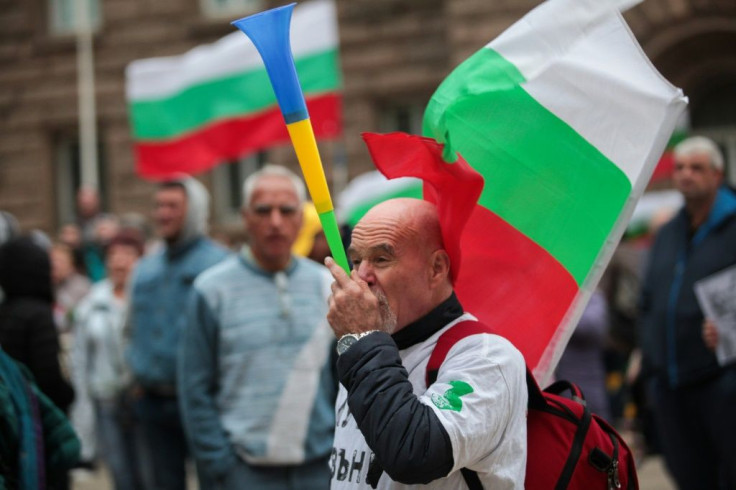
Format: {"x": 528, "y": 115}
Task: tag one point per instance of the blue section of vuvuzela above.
{"x": 269, "y": 31}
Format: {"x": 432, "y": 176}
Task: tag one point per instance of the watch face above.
{"x": 345, "y": 342}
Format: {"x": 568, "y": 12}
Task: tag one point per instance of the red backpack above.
{"x": 568, "y": 447}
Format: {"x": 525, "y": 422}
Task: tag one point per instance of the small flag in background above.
{"x": 666, "y": 165}
{"x": 215, "y": 102}
{"x": 565, "y": 119}
{"x": 369, "y": 189}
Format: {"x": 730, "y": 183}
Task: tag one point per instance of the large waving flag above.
{"x": 565, "y": 118}
{"x": 215, "y": 102}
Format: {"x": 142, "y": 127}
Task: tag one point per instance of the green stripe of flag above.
{"x": 226, "y": 98}
{"x": 542, "y": 177}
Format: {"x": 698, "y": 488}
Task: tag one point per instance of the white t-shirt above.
{"x": 480, "y": 397}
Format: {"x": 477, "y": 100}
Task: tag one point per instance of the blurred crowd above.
{"x": 67, "y": 333}
{"x": 82, "y": 386}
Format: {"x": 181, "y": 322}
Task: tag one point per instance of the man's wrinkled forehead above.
{"x": 389, "y": 229}
{"x": 385, "y": 248}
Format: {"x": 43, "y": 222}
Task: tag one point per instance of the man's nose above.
{"x": 276, "y": 218}
{"x": 366, "y": 273}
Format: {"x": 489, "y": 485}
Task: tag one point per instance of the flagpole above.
{"x": 86, "y": 97}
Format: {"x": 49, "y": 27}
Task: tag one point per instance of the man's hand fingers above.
{"x": 710, "y": 334}
{"x": 343, "y": 282}
{"x": 340, "y": 277}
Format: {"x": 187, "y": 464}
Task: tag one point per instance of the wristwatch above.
{"x": 347, "y": 340}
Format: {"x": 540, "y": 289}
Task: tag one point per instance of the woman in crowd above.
{"x": 70, "y": 285}
{"x": 99, "y": 358}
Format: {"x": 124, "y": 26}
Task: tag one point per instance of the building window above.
{"x": 63, "y": 18}
{"x": 402, "y": 117}
{"x": 69, "y": 179}
{"x": 216, "y": 9}
{"x": 228, "y": 181}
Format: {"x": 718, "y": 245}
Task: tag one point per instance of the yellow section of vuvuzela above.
{"x": 305, "y": 146}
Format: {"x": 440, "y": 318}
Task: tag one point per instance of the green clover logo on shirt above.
{"x": 450, "y": 400}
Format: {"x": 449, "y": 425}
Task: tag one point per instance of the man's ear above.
{"x": 440, "y": 267}
{"x": 719, "y": 176}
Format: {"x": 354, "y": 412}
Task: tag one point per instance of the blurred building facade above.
{"x": 394, "y": 54}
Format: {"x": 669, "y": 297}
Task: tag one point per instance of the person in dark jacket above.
{"x": 27, "y": 330}
{"x": 692, "y": 395}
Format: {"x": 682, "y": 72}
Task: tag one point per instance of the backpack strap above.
{"x": 472, "y": 480}
{"x": 451, "y": 337}
{"x": 465, "y": 329}
{"x": 560, "y": 386}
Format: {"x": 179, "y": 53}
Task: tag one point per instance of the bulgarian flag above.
{"x": 215, "y": 102}
{"x": 564, "y": 118}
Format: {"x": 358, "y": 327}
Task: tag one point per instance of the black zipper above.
{"x": 613, "y": 480}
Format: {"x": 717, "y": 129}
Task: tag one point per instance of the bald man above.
{"x": 392, "y": 429}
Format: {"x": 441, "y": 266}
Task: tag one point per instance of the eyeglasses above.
{"x": 264, "y": 210}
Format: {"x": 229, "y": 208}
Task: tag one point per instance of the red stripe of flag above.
{"x": 232, "y": 139}
{"x": 512, "y": 284}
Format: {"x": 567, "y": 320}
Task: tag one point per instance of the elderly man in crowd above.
{"x": 392, "y": 429}
{"x": 255, "y": 368}
{"x": 692, "y": 394}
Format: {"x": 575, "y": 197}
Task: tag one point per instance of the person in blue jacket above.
{"x": 161, "y": 284}
{"x": 692, "y": 395}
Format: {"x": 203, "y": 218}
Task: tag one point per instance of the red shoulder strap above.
{"x": 451, "y": 337}
{"x": 465, "y": 329}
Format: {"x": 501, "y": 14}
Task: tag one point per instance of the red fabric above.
{"x": 455, "y": 187}
{"x": 445, "y": 343}
{"x": 506, "y": 280}
{"x": 232, "y": 139}
{"x": 550, "y": 434}
{"x": 513, "y": 284}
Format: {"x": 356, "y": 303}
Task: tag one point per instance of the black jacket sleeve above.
{"x": 406, "y": 436}
{"x": 43, "y": 359}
